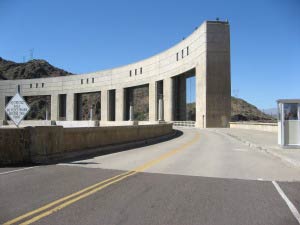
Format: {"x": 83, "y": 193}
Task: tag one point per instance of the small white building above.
{"x": 289, "y": 122}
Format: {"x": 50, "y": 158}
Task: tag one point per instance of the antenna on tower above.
{"x": 236, "y": 92}
{"x": 31, "y": 54}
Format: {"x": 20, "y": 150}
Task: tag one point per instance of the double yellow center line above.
{"x": 72, "y": 198}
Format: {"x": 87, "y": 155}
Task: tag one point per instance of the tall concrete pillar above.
{"x": 120, "y": 104}
{"x": 54, "y": 106}
{"x": 168, "y": 99}
{"x": 104, "y": 105}
{"x": 70, "y": 106}
{"x": 152, "y": 101}
{"x": 2, "y": 107}
{"x": 200, "y": 93}
{"x": 218, "y": 84}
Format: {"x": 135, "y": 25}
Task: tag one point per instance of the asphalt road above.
{"x": 202, "y": 177}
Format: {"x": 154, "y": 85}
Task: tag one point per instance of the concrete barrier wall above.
{"x": 76, "y": 139}
{"x": 270, "y": 127}
{"x": 38, "y": 144}
{"x": 14, "y": 143}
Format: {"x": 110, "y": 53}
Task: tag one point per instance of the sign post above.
{"x": 17, "y": 109}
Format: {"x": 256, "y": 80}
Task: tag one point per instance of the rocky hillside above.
{"x": 32, "y": 69}
{"x": 244, "y": 111}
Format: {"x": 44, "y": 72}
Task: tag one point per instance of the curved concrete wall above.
{"x": 40, "y": 144}
{"x": 206, "y": 50}
{"x": 270, "y": 127}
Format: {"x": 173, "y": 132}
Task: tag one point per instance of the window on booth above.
{"x": 291, "y": 111}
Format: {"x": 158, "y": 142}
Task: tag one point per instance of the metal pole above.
{"x": 282, "y": 124}
{"x": 91, "y": 113}
{"x": 299, "y": 111}
{"x": 46, "y": 111}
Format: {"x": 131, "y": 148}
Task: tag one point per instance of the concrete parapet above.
{"x": 43, "y": 143}
{"x": 14, "y": 144}
{"x": 270, "y": 127}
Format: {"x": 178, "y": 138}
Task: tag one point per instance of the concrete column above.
{"x": 70, "y": 106}
{"x": 152, "y": 101}
{"x": 120, "y": 104}
{"x": 54, "y": 107}
{"x": 168, "y": 99}
{"x": 218, "y": 85}
{"x": 2, "y": 107}
{"x": 200, "y": 78}
{"x": 160, "y": 110}
{"x": 104, "y": 105}
{"x": 131, "y": 113}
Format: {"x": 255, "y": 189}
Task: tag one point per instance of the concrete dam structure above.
{"x": 159, "y": 83}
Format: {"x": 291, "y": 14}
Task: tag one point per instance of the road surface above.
{"x": 201, "y": 177}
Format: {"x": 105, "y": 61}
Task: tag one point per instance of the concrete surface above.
{"x": 214, "y": 155}
{"x": 265, "y": 141}
{"x": 213, "y": 180}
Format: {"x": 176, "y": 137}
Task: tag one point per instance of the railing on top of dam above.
{"x": 184, "y": 123}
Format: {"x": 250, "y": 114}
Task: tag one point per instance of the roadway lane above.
{"x": 213, "y": 180}
{"x": 213, "y": 155}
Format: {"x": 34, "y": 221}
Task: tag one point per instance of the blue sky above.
{"x": 91, "y": 35}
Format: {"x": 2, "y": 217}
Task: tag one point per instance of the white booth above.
{"x": 289, "y": 123}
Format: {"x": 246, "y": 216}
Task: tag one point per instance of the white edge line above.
{"x": 12, "y": 171}
{"x": 287, "y": 201}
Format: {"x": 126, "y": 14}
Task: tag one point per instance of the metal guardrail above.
{"x": 184, "y": 123}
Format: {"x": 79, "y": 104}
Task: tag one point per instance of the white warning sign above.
{"x": 17, "y": 109}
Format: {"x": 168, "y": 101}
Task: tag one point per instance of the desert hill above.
{"x": 35, "y": 68}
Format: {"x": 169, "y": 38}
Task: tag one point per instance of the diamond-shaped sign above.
{"x": 17, "y": 109}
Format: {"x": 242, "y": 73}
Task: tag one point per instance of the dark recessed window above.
{"x": 177, "y": 56}
{"x": 30, "y": 85}
{"x": 135, "y": 71}
{"x": 87, "y": 81}
{"x": 36, "y": 85}
{"x": 187, "y": 50}
{"x": 81, "y": 81}
{"x": 93, "y": 80}
{"x": 141, "y": 70}
{"x": 42, "y": 85}
{"x": 182, "y": 53}
{"x": 130, "y": 73}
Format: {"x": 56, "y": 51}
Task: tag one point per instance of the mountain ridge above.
{"x": 36, "y": 68}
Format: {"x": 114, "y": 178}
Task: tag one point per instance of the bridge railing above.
{"x": 184, "y": 123}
